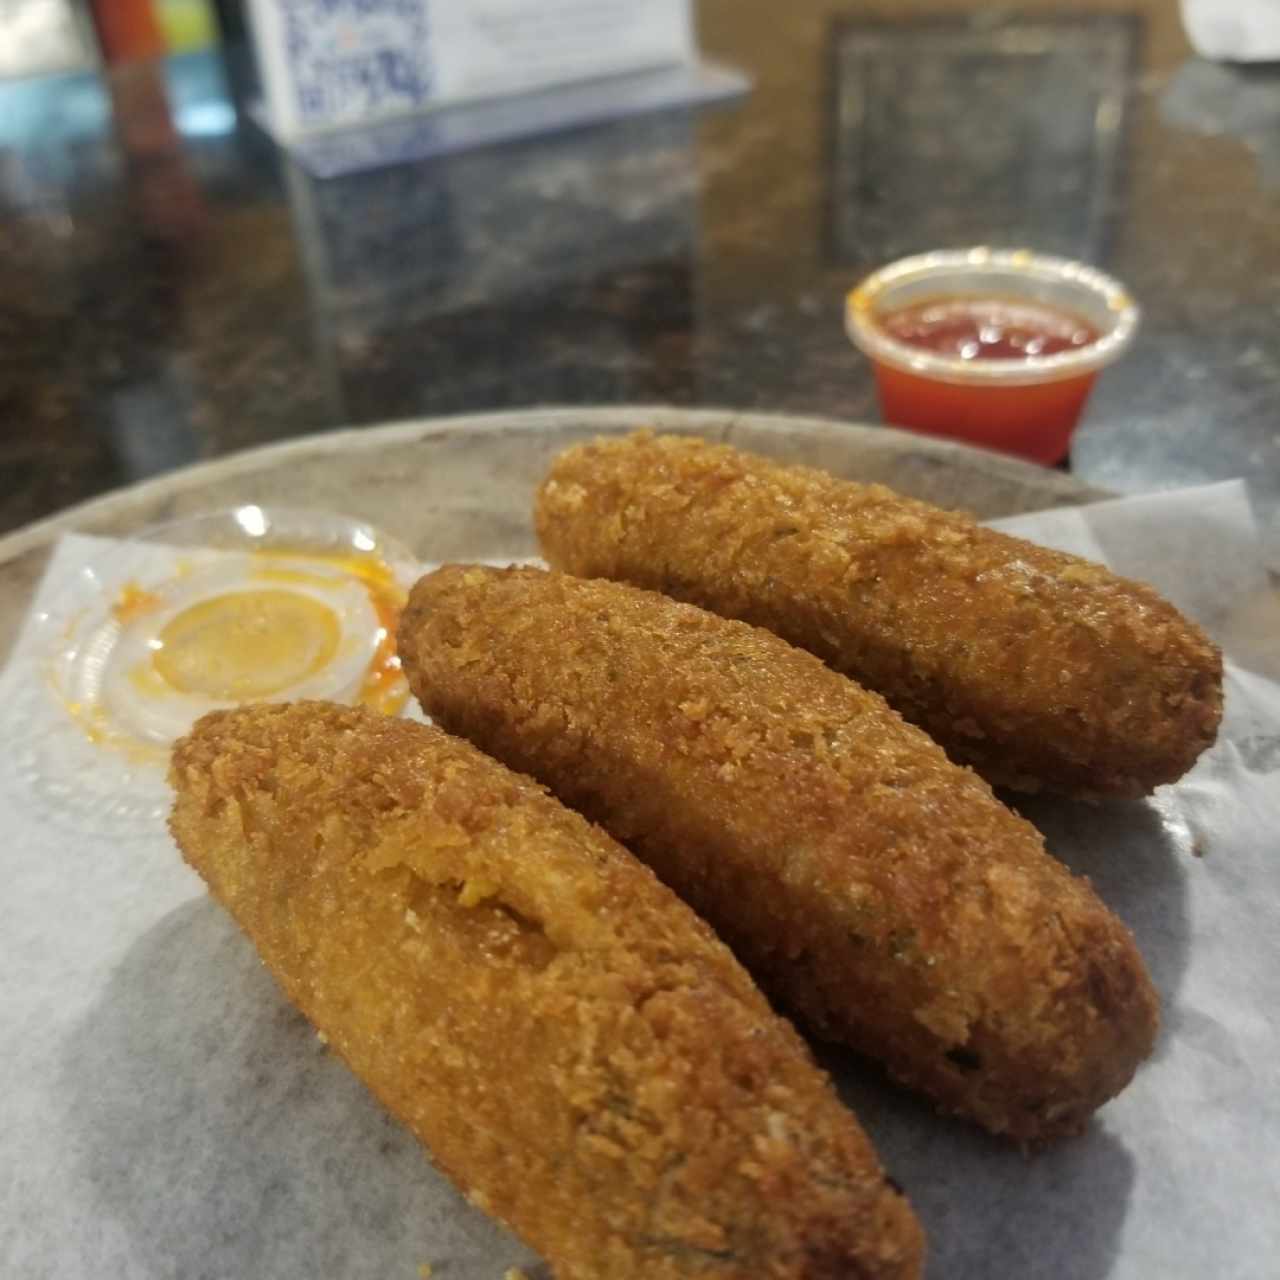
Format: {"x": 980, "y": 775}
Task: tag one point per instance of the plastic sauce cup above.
{"x": 1028, "y": 405}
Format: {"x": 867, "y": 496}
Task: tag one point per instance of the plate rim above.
{"x": 608, "y": 419}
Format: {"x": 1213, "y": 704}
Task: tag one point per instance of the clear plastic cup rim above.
{"x": 1017, "y": 273}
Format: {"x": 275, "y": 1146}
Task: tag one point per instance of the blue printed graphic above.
{"x": 357, "y": 59}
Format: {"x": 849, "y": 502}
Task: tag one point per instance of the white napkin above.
{"x": 1233, "y": 30}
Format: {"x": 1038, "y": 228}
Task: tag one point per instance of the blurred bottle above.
{"x": 128, "y": 30}
{"x": 188, "y": 25}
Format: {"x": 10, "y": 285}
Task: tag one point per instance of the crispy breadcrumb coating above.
{"x": 878, "y": 890}
{"x": 1037, "y": 668}
{"x": 581, "y": 1054}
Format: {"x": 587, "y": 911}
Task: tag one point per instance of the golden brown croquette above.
{"x": 578, "y": 1050}
{"x": 878, "y": 890}
{"x": 1037, "y": 668}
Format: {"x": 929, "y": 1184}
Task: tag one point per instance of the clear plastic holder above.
{"x": 1028, "y": 406}
{"x": 463, "y": 126}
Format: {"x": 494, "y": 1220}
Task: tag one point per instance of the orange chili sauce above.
{"x": 385, "y": 687}
{"x": 1034, "y": 421}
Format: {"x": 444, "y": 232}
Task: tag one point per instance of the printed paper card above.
{"x": 330, "y": 63}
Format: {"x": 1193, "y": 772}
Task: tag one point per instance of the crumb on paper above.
{"x": 515, "y": 1273}
{"x": 424, "y": 1271}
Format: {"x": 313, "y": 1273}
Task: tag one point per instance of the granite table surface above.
{"x": 175, "y": 289}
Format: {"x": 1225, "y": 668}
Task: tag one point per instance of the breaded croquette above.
{"x": 578, "y": 1050}
{"x": 1037, "y": 668}
{"x": 876, "y": 889}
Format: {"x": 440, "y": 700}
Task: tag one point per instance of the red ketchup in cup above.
{"x": 998, "y": 349}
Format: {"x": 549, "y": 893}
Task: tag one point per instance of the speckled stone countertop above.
{"x": 174, "y": 289}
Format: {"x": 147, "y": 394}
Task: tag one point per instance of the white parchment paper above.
{"x": 165, "y": 1113}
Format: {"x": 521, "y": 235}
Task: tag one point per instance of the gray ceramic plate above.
{"x": 179, "y": 1119}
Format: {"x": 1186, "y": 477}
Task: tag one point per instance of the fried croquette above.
{"x": 578, "y": 1050}
{"x": 1039, "y": 669}
{"x": 878, "y": 890}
